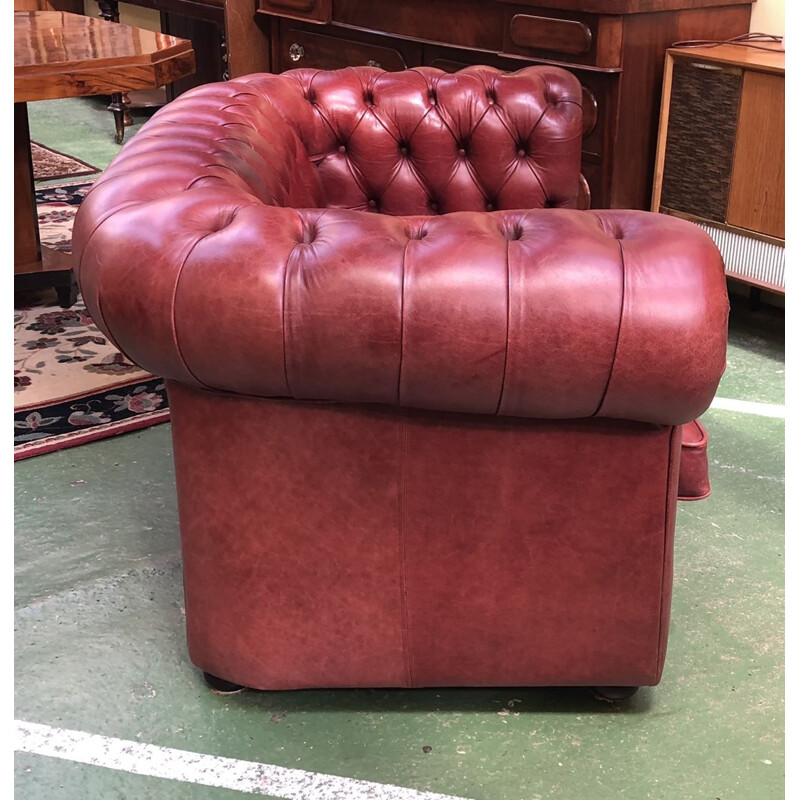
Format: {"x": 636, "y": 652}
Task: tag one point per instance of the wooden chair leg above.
{"x": 117, "y": 106}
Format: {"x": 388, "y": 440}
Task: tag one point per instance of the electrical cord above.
{"x": 745, "y": 40}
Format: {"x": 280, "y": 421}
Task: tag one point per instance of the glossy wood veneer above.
{"x": 69, "y": 55}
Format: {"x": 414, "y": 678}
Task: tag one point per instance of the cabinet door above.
{"x": 756, "y": 200}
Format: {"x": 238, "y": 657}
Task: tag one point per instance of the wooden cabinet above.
{"x": 229, "y": 39}
{"x": 756, "y": 200}
{"x": 615, "y": 47}
{"x": 721, "y": 154}
{"x": 310, "y": 45}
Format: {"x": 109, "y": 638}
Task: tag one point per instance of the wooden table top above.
{"x": 70, "y": 55}
{"x": 772, "y": 59}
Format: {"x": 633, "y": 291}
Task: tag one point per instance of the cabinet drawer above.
{"x": 311, "y": 10}
{"x": 568, "y": 36}
{"x": 579, "y": 38}
{"x": 304, "y": 48}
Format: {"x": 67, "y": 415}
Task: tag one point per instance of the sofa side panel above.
{"x": 330, "y": 545}
{"x": 538, "y": 554}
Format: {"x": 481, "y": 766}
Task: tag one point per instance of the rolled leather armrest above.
{"x": 551, "y": 313}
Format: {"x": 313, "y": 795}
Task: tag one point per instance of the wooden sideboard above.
{"x": 721, "y": 154}
{"x": 615, "y": 47}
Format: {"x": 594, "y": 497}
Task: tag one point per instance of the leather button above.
{"x": 489, "y": 207}
{"x": 342, "y": 148}
{"x": 462, "y": 152}
{"x": 521, "y": 153}
{"x": 403, "y": 151}
{"x": 372, "y": 203}
{"x": 434, "y": 206}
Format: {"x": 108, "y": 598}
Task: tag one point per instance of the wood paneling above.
{"x": 756, "y": 199}
{"x": 311, "y": 10}
{"x": 625, "y": 6}
{"x": 206, "y": 39}
{"x": 564, "y": 35}
{"x": 27, "y": 256}
{"x": 302, "y": 47}
{"x": 307, "y": 45}
{"x": 545, "y": 33}
{"x": 463, "y": 23}
{"x": 247, "y": 37}
{"x": 647, "y": 37}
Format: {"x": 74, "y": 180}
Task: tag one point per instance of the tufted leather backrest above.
{"x": 424, "y": 141}
{"x": 206, "y": 254}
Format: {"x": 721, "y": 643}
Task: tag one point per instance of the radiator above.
{"x": 749, "y": 258}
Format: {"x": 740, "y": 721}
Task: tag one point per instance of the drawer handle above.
{"x": 296, "y": 51}
{"x": 373, "y": 63}
{"x": 548, "y": 33}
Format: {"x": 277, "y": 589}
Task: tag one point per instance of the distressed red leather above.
{"x": 338, "y": 545}
{"x": 694, "y": 483}
{"x": 369, "y": 246}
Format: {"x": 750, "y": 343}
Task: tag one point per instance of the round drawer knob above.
{"x": 296, "y": 51}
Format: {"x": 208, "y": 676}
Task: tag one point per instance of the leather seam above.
{"x": 538, "y": 179}
{"x": 79, "y": 265}
{"x": 405, "y": 633}
{"x": 402, "y": 318}
{"x": 508, "y": 327}
{"x": 172, "y": 308}
{"x": 670, "y": 470}
{"x": 283, "y": 312}
{"x": 619, "y": 331}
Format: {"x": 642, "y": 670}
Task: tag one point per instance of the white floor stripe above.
{"x": 180, "y": 765}
{"x": 746, "y": 407}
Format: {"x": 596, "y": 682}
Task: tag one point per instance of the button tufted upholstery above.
{"x": 255, "y": 191}
{"x": 492, "y": 382}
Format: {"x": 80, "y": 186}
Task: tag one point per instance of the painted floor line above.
{"x": 748, "y": 407}
{"x": 249, "y": 777}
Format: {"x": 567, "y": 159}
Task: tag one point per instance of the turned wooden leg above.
{"x": 220, "y": 686}
{"x": 127, "y": 119}
{"x": 614, "y": 694}
{"x": 67, "y": 293}
{"x": 117, "y": 106}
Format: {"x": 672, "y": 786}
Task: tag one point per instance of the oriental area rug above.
{"x": 71, "y": 385}
{"x": 49, "y": 164}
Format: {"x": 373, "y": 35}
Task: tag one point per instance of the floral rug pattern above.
{"x": 70, "y": 384}
{"x": 57, "y": 206}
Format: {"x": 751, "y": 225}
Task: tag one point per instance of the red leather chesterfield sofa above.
{"x": 426, "y": 415}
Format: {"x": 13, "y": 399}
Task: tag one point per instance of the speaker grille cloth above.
{"x": 701, "y": 134}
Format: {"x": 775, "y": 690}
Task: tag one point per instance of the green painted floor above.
{"x": 100, "y": 644}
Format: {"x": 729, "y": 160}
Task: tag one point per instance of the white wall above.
{"x": 768, "y": 16}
